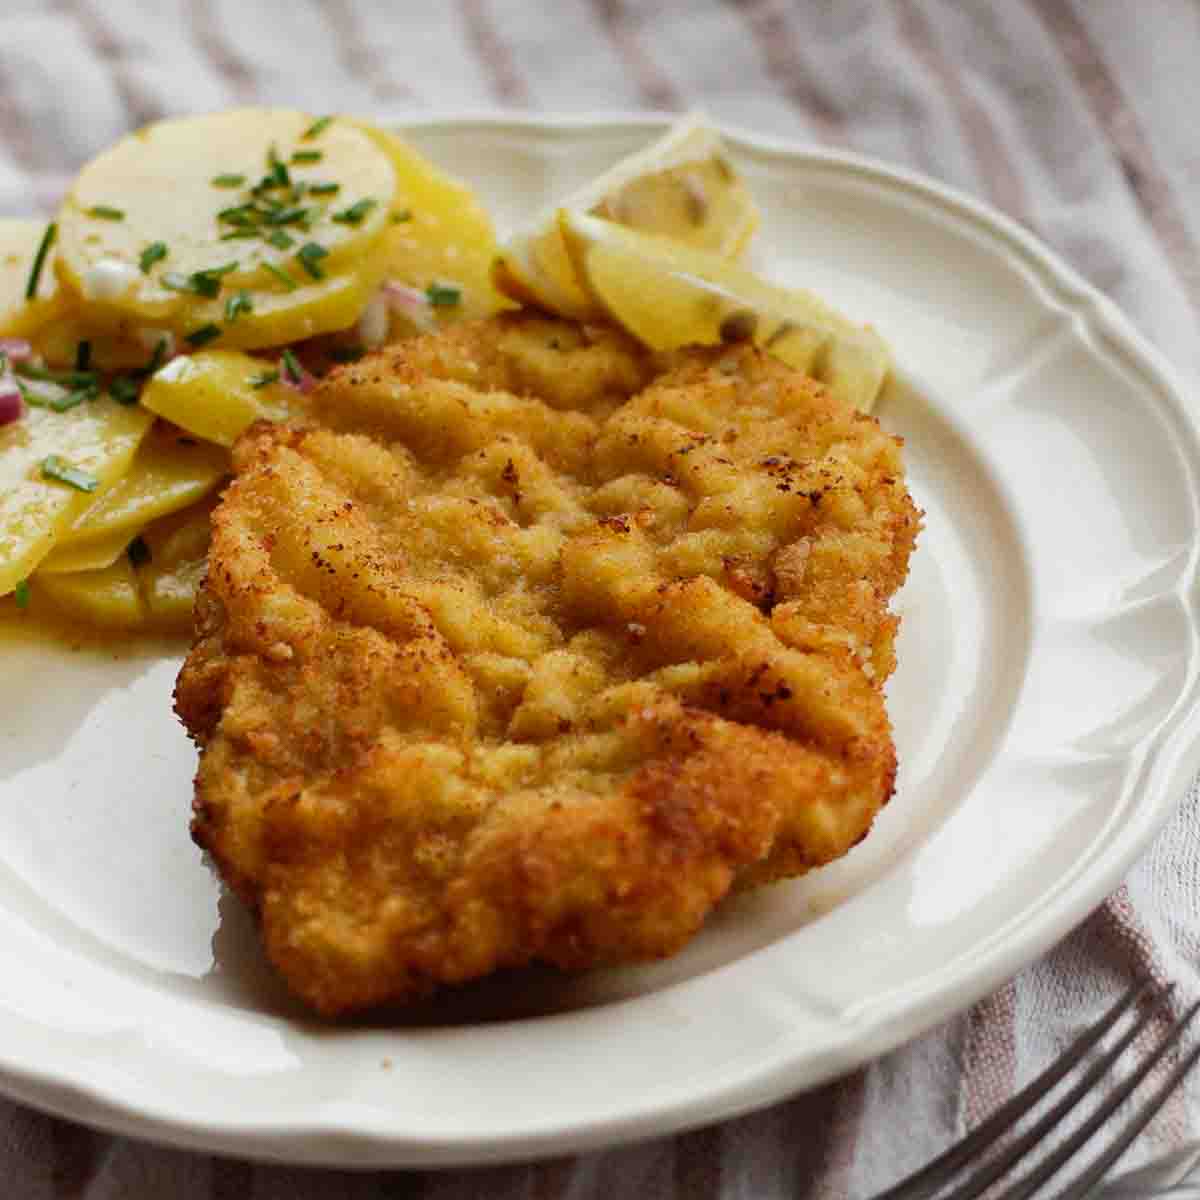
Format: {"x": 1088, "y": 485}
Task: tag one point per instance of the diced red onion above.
{"x": 11, "y": 407}
{"x": 15, "y": 349}
{"x": 305, "y": 383}
{"x": 411, "y": 303}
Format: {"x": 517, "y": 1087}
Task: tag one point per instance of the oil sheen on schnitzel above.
{"x": 529, "y": 645}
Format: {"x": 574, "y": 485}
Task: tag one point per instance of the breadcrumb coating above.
{"x": 530, "y": 645}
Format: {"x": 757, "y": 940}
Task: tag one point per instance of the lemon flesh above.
{"x": 669, "y": 295}
{"x": 682, "y": 186}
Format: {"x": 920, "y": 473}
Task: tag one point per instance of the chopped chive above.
{"x": 205, "y": 283}
{"x": 157, "y": 356}
{"x": 238, "y": 304}
{"x": 287, "y": 216}
{"x": 324, "y": 189}
{"x": 346, "y": 354}
{"x": 288, "y": 282}
{"x": 317, "y": 128}
{"x": 39, "y": 260}
{"x": 277, "y": 169}
{"x": 155, "y": 252}
{"x": 138, "y": 552}
{"x": 310, "y": 255}
{"x": 228, "y": 181}
{"x": 443, "y": 295}
{"x": 83, "y": 355}
{"x": 239, "y": 214}
{"x": 56, "y": 467}
{"x": 106, "y": 212}
{"x": 355, "y": 213}
{"x": 74, "y": 379}
{"x": 307, "y": 156}
{"x": 62, "y": 404}
{"x": 400, "y": 215}
{"x": 124, "y": 390}
{"x": 263, "y": 378}
{"x": 291, "y": 366}
{"x": 281, "y": 240}
{"x": 21, "y": 594}
{"x": 235, "y": 234}
{"x": 203, "y": 335}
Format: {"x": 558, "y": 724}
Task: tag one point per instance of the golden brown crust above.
{"x": 531, "y": 646}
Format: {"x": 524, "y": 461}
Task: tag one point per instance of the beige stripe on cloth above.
{"x": 1148, "y": 183}
{"x": 654, "y": 86}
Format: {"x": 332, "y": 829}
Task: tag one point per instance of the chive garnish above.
{"x": 205, "y": 283}
{"x": 287, "y": 216}
{"x": 73, "y": 379}
{"x": 83, "y": 355}
{"x": 355, "y": 213}
{"x": 124, "y": 390}
{"x": 310, "y": 255}
{"x": 238, "y": 304}
{"x": 234, "y": 234}
{"x": 56, "y": 467}
{"x": 157, "y": 356}
{"x": 138, "y": 552}
{"x": 277, "y": 169}
{"x": 21, "y": 593}
{"x": 263, "y": 378}
{"x": 288, "y": 282}
{"x": 291, "y": 367}
{"x": 155, "y": 252}
{"x": 307, "y": 156}
{"x": 443, "y": 295}
{"x": 203, "y": 335}
{"x": 316, "y": 128}
{"x": 39, "y": 260}
{"x": 228, "y": 181}
{"x": 106, "y": 212}
{"x": 62, "y": 404}
{"x": 324, "y": 189}
{"x": 281, "y": 240}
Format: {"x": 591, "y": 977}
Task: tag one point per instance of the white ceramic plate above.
{"x": 1045, "y": 710}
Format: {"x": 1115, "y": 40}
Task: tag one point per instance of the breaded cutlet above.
{"x": 530, "y": 645}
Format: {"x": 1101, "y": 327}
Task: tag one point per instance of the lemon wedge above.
{"x": 668, "y": 295}
{"x": 681, "y": 186}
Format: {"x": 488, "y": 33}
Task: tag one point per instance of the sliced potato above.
{"x": 112, "y": 346}
{"x": 178, "y": 560}
{"x": 280, "y": 317}
{"x": 171, "y": 470}
{"x": 19, "y": 317}
{"x": 99, "y": 438}
{"x": 156, "y": 187}
{"x": 106, "y": 599}
{"x": 440, "y": 233}
{"x": 210, "y": 394}
{"x": 91, "y": 555}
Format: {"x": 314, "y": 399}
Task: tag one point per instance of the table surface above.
{"x": 1075, "y": 118}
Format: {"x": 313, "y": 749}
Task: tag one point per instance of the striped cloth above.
{"x": 1072, "y": 117}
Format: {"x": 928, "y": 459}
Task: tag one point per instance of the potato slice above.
{"x": 171, "y": 471}
{"x": 281, "y": 317}
{"x": 178, "y": 561}
{"x": 92, "y": 555}
{"x": 19, "y": 317}
{"x": 106, "y": 599}
{"x": 210, "y": 394}
{"x": 119, "y": 346}
{"x": 440, "y": 233}
{"x": 162, "y": 186}
{"x": 99, "y": 438}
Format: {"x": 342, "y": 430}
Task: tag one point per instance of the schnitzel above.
{"x": 529, "y": 645}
